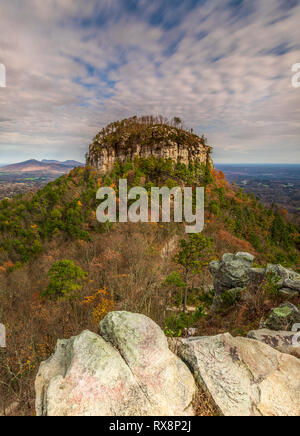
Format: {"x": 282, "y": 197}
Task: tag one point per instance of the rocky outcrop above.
{"x": 232, "y": 271}
{"x": 283, "y": 274}
{"x": 288, "y": 293}
{"x": 236, "y": 271}
{"x": 285, "y": 342}
{"x": 283, "y": 317}
{"x": 128, "y": 371}
{"x": 292, "y": 284}
{"x": 244, "y": 377}
{"x": 129, "y": 139}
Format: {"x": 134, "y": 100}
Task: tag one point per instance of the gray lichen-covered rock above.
{"x": 86, "y": 377}
{"x": 285, "y": 342}
{"x": 283, "y": 273}
{"x": 244, "y": 377}
{"x": 282, "y": 318}
{"x": 287, "y": 278}
{"x": 128, "y": 372}
{"x": 232, "y": 271}
{"x": 236, "y": 271}
{"x": 292, "y": 284}
{"x": 288, "y": 293}
{"x": 257, "y": 275}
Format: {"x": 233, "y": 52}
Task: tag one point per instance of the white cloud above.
{"x": 223, "y": 76}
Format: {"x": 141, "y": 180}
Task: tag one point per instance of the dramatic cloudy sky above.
{"x": 224, "y": 66}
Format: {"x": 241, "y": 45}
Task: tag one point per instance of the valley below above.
{"x": 271, "y": 184}
{"x": 20, "y": 183}
{"x": 30, "y": 176}
{"x": 279, "y": 184}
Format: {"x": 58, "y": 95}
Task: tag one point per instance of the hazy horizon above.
{"x": 216, "y": 163}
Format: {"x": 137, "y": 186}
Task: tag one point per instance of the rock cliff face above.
{"x": 235, "y": 272}
{"x": 128, "y": 139}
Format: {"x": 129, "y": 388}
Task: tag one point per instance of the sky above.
{"x": 223, "y": 66}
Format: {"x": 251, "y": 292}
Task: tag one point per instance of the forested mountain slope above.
{"x": 61, "y": 271}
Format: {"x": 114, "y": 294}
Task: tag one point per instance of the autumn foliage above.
{"x": 52, "y": 241}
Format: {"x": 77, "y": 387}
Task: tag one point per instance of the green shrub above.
{"x": 231, "y": 297}
{"x": 65, "y": 280}
{"x": 177, "y": 323}
{"x": 272, "y": 285}
{"x": 207, "y": 298}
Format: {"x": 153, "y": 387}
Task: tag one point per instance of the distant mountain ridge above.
{"x": 44, "y": 166}
{"x": 67, "y": 163}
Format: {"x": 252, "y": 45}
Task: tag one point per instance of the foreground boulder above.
{"x": 283, "y": 318}
{"x": 285, "y": 342}
{"x": 128, "y": 371}
{"x": 244, "y": 377}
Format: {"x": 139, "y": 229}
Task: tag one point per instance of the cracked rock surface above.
{"x": 285, "y": 342}
{"x": 127, "y": 371}
{"x": 245, "y": 377}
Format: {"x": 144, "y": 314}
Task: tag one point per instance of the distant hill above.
{"x": 67, "y": 163}
{"x": 35, "y": 166}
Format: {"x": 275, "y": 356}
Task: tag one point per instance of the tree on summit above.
{"x": 177, "y": 121}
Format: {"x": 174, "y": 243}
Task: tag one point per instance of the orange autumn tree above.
{"x": 101, "y": 304}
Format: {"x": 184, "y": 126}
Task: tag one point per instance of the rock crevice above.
{"x": 129, "y": 370}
